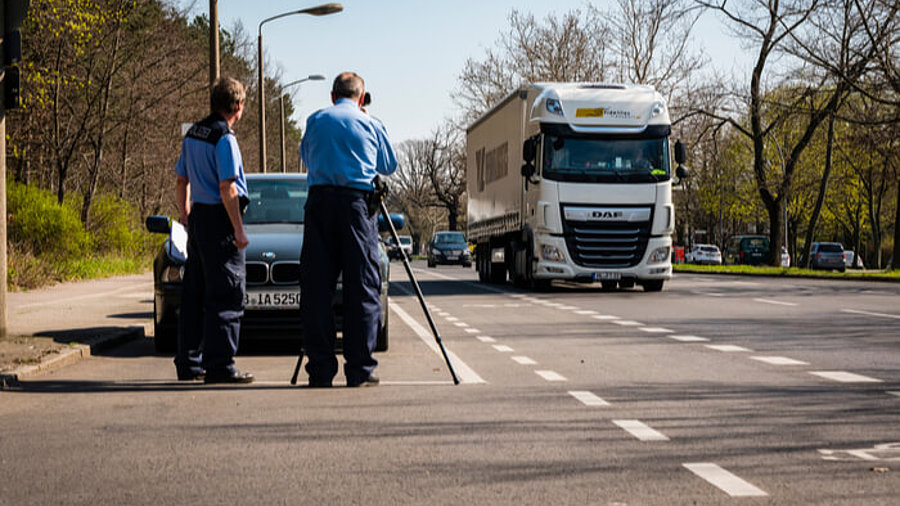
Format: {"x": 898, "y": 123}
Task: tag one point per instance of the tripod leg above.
{"x": 297, "y": 368}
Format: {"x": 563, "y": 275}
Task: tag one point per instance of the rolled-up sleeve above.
{"x": 228, "y": 158}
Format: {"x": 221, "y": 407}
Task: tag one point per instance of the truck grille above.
{"x": 607, "y": 244}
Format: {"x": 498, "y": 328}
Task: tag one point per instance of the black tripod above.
{"x": 415, "y": 284}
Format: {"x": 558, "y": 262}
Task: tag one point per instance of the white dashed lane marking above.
{"x": 551, "y": 375}
{"x": 628, "y": 323}
{"x": 641, "y": 430}
{"x": 470, "y": 330}
{"x": 775, "y": 302}
{"x": 451, "y": 318}
{"x": 486, "y": 339}
{"x": 503, "y": 348}
{"x": 604, "y": 317}
{"x": 588, "y": 398}
{"x": 726, "y": 481}
{"x": 523, "y": 360}
{"x": 585, "y": 312}
{"x": 461, "y": 324}
{"x": 688, "y": 339}
{"x": 780, "y": 360}
{"x": 656, "y": 330}
{"x": 845, "y": 377}
{"x": 891, "y": 392}
{"x": 869, "y": 313}
{"x": 728, "y": 348}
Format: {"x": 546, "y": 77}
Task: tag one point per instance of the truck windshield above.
{"x": 606, "y": 160}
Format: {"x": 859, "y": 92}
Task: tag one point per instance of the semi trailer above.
{"x": 573, "y": 181}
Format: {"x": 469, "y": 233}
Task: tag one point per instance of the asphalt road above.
{"x": 718, "y": 390}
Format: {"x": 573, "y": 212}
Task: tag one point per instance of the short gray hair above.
{"x": 348, "y": 85}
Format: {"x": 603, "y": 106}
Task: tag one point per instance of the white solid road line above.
{"x": 551, "y": 375}
{"x": 775, "y": 302}
{"x": 688, "y": 339}
{"x": 641, "y": 430}
{"x": 869, "y": 313}
{"x": 588, "y": 398}
{"x": 465, "y": 373}
{"x": 845, "y": 377}
{"x": 728, "y": 348}
{"x": 724, "y": 480}
{"x": 656, "y": 330}
{"x": 523, "y": 360}
{"x": 779, "y": 360}
{"x": 502, "y": 348}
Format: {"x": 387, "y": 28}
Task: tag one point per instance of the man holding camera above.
{"x": 344, "y": 149}
{"x": 210, "y": 192}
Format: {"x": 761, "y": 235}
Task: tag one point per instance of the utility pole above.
{"x": 213, "y": 45}
{"x": 12, "y": 14}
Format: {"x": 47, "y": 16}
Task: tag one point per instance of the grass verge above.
{"x": 750, "y": 270}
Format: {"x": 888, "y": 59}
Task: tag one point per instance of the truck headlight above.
{"x": 659, "y": 255}
{"x": 552, "y": 253}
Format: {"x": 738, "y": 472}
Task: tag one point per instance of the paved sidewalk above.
{"x": 51, "y": 327}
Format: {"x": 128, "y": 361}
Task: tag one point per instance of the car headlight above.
{"x": 435, "y": 252}
{"x": 552, "y": 253}
{"x": 659, "y": 255}
{"x": 173, "y": 274}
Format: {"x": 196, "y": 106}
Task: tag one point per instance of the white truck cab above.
{"x": 573, "y": 181}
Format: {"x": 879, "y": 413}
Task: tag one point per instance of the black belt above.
{"x": 339, "y": 190}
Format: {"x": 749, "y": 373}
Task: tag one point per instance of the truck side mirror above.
{"x": 529, "y": 150}
{"x": 680, "y": 153}
{"x": 682, "y": 172}
{"x": 528, "y": 170}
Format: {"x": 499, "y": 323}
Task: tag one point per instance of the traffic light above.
{"x": 13, "y": 15}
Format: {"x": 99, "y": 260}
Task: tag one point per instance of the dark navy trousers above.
{"x": 212, "y": 297}
{"x": 339, "y": 238}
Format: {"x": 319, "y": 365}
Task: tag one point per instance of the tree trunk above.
{"x": 820, "y": 199}
{"x": 895, "y": 260}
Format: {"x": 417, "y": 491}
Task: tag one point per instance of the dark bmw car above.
{"x": 448, "y": 248}
{"x": 274, "y": 224}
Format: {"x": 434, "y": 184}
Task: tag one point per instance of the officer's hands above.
{"x": 240, "y": 239}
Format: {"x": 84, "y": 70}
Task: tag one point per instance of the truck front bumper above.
{"x": 566, "y": 269}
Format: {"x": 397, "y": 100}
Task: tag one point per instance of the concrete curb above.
{"x": 71, "y": 355}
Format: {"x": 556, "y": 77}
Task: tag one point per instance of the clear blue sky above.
{"x": 410, "y": 52}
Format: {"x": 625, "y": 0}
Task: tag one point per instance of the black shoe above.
{"x": 229, "y": 377}
{"x": 371, "y": 381}
{"x": 191, "y": 376}
{"x": 318, "y": 384}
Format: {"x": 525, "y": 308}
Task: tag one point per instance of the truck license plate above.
{"x": 607, "y": 276}
{"x": 272, "y": 299}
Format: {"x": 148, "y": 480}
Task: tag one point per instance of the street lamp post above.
{"x": 312, "y": 77}
{"x": 319, "y": 10}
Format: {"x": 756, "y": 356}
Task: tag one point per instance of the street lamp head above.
{"x": 323, "y": 10}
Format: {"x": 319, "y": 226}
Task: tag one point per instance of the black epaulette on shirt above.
{"x": 209, "y": 129}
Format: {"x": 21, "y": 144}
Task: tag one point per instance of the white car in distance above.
{"x": 705, "y": 254}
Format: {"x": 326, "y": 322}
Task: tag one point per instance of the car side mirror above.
{"x": 159, "y": 224}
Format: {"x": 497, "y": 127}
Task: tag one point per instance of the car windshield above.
{"x": 757, "y": 243}
{"x": 451, "y": 238}
{"x": 831, "y": 248}
{"x": 709, "y": 249}
{"x": 601, "y": 160}
{"x": 405, "y": 240}
{"x": 276, "y": 200}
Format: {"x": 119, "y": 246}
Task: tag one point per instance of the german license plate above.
{"x": 452, "y": 257}
{"x": 272, "y": 299}
{"x": 607, "y": 276}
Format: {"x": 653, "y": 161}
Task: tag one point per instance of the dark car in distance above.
{"x": 746, "y": 250}
{"x": 274, "y": 224}
{"x": 448, "y": 248}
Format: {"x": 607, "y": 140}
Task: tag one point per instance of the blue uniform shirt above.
{"x": 206, "y": 165}
{"x": 344, "y": 146}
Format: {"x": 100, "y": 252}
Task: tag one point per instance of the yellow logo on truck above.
{"x": 589, "y": 113}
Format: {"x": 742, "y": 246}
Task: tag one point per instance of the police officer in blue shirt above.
{"x": 343, "y": 149}
{"x": 211, "y": 193}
